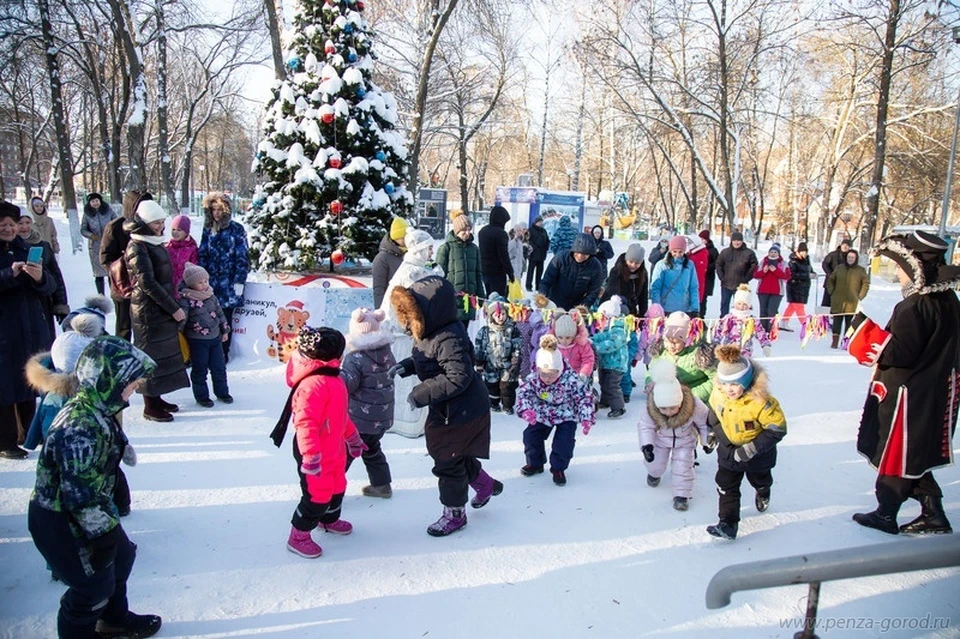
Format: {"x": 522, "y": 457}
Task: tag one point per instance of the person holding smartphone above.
{"x": 23, "y": 328}
{"x": 55, "y": 307}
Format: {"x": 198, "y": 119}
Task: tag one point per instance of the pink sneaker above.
{"x": 301, "y": 543}
{"x": 339, "y": 527}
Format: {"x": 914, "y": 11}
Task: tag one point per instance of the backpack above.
{"x": 121, "y": 285}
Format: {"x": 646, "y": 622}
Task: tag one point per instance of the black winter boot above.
{"x": 153, "y": 411}
{"x": 932, "y": 519}
{"x": 724, "y": 529}
{"x": 762, "y": 501}
{"x": 133, "y": 626}
{"x": 884, "y": 522}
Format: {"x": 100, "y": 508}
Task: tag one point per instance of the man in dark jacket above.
{"x": 830, "y": 264}
{"x": 910, "y": 414}
{"x": 539, "y": 246}
{"x": 388, "y": 260}
{"x": 712, "y": 255}
{"x": 575, "y": 276}
{"x": 112, "y": 248}
{"x": 494, "y": 253}
{"x": 735, "y": 266}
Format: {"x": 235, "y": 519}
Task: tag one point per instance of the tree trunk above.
{"x": 64, "y": 157}
{"x": 136, "y": 123}
{"x": 880, "y": 143}
{"x": 163, "y": 137}
{"x": 273, "y": 26}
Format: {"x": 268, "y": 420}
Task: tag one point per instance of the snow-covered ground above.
{"x": 605, "y": 556}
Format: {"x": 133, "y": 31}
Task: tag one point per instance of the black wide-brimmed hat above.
{"x": 922, "y": 256}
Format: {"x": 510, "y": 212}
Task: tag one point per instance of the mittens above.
{"x": 710, "y": 444}
{"x": 746, "y": 452}
{"x": 129, "y": 456}
{"x": 238, "y": 289}
{"x": 586, "y": 425}
{"x": 393, "y": 370}
{"x": 310, "y": 465}
{"x": 529, "y": 416}
{"x": 647, "y": 452}
{"x": 356, "y": 446}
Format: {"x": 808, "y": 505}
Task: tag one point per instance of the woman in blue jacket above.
{"x": 674, "y": 284}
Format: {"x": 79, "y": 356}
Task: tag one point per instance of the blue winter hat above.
{"x": 733, "y": 367}
{"x": 774, "y": 247}
{"x": 584, "y": 244}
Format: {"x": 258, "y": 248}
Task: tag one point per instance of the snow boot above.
{"x": 206, "y": 403}
{"x": 339, "y": 527}
{"x": 680, "y": 503}
{"x": 383, "y": 492}
{"x": 879, "y": 520}
{"x": 559, "y": 477}
{"x": 133, "y": 626}
{"x": 835, "y": 342}
{"x": 652, "y": 481}
{"x": 452, "y": 520}
{"x": 762, "y": 500}
{"x": 932, "y": 519}
{"x": 530, "y": 471}
{"x": 616, "y": 414}
{"x": 165, "y": 405}
{"x": 153, "y": 411}
{"x": 723, "y": 530}
{"x": 301, "y": 543}
{"x": 486, "y": 487}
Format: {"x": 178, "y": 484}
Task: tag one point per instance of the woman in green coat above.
{"x": 847, "y": 285}
{"x": 459, "y": 258}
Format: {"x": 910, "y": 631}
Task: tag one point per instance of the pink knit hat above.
{"x": 192, "y": 274}
{"x": 363, "y": 320}
{"x": 181, "y": 222}
{"x": 678, "y": 242}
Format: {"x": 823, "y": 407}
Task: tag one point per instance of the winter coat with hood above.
{"x": 674, "y": 285}
{"x": 181, "y": 252}
{"x": 494, "y": 245}
{"x": 57, "y": 303}
{"x": 458, "y": 420}
{"x": 632, "y": 287}
{"x": 801, "y": 273}
{"x": 55, "y": 389}
{"x": 579, "y": 355}
{"x": 569, "y": 283}
{"x": 604, "y": 248}
{"x": 611, "y": 345}
{"x": 563, "y": 236}
{"x": 414, "y": 267}
{"x": 754, "y": 418}
{"x": 44, "y": 225}
{"x": 701, "y": 260}
{"x": 24, "y": 326}
{"x": 223, "y": 252}
{"x": 92, "y": 227}
{"x": 516, "y": 249}
{"x": 385, "y": 265}
{"x": 498, "y": 352}
{"x": 77, "y": 468}
{"x": 679, "y": 431}
{"x": 364, "y": 369}
{"x": 847, "y": 285}
{"x": 539, "y": 243}
{"x": 152, "y": 306}
{"x": 566, "y": 400}
{"x": 771, "y": 282}
{"x": 696, "y": 367}
{"x": 712, "y": 255}
{"x": 460, "y": 261}
{"x": 736, "y": 266}
{"x": 319, "y": 413}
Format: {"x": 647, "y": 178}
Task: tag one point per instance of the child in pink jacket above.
{"x": 574, "y": 344}
{"x": 324, "y": 436}
{"x": 182, "y": 249}
{"x": 669, "y": 429}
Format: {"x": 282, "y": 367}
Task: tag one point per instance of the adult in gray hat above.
{"x": 574, "y": 277}
{"x": 735, "y": 266}
{"x": 628, "y": 278}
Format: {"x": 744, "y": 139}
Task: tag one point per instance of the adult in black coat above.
{"x": 24, "y": 330}
{"x": 575, "y": 276}
{"x": 55, "y": 307}
{"x": 494, "y": 252}
{"x": 539, "y": 247}
{"x": 388, "y": 258}
{"x": 457, "y": 428}
{"x": 910, "y": 413}
{"x": 798, "y": 286}
{"x": 628, "y": 278}
{"x": 157, "y": 316}
{"x": 112, "y": 248}
{"x": 604, "y": 248}
{"x": 712, "y": 255}
{"x": 830, "y": 264}
{"x": 736, "y": 265}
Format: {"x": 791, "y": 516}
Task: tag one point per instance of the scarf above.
{"x": 280, "y": 430}
{"x": 156, "y": 240}
{"x": 194, "y": 294}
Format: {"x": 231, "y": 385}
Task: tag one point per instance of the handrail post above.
{"x": 810, "y": 621}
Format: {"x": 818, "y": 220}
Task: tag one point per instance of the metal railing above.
{"x": 942, "y": 551}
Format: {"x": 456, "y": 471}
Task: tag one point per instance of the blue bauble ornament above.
{"x": 348, "y": 28}
{"x": 293, "y": 63}
{"x": 389, "y": 188}
{"x": 352, "y": 56}
{"x": 381, "y": 156}
{"x": 361, "y": 92}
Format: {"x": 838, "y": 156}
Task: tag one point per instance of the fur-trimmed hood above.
{"x": 425, "y": 307}
{"x": 368, "y": 341}
{"x": 211, "y": 198}
{"x": 681, "y": 418}
{"x": 43, "y": 378}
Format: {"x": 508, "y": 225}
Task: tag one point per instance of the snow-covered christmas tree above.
{"x": 331, "y": 163}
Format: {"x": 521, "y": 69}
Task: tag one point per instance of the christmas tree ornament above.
{"x": 329, "y": 47}
{"x": 327, "y": 117}
{"x": 293, "y": 63}
{"x": 389, "y": 188}
{"x": 361, "y": 92}
{"x": 337, "y": 257}
{"x": 335, "y": 163}
{"x": 381, "y": 156}
{"x": 336, "y": 207}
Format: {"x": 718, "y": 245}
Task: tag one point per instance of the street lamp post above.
{"x": 953, "y": 155}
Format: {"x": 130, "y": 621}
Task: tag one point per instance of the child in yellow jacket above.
{"x": 751, "y": 425}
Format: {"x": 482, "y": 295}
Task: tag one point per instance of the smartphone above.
{"x": 35, "y": 256}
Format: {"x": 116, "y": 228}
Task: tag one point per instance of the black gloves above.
{"x": 647, "y": 452}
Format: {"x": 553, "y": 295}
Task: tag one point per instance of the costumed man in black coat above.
{"x": 910, "y": 413}
{"x": 458, "y": 421}
{"x": 539, "y": 247}
{"x": 494, "y": 243}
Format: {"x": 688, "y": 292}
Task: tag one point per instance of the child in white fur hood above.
{"x": 365, "y": 370}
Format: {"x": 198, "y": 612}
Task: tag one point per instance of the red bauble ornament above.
{"x": 327, "y": 118}
{"x": 336, "y": 207}
{"x": 360, "y": 6}
{"x": 337, "y": 257}
{"x": 330, "y": 48}
{"x": 335, "y": 163}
